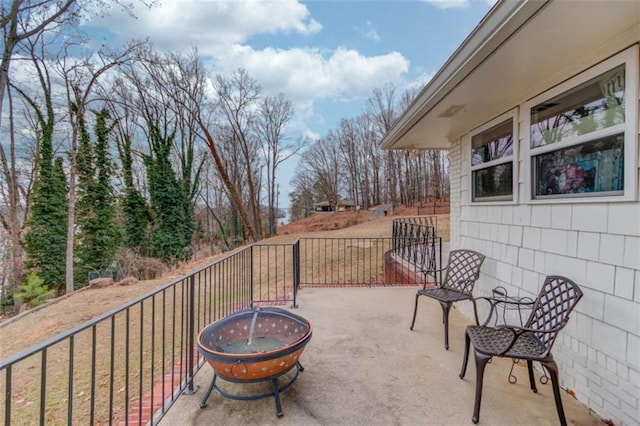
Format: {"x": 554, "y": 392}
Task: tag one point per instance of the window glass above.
{"x": 594, "y": 105}
{"x": 494, "y": 182}
{"x": 492, "y": 144}
{"x": 595, "y": 167}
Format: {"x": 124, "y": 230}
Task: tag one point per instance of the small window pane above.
{"x": 495, "y": 183}
{"x": 594, "y": 105}
{"x": 592, "y": 167}
{"x": 492, "y": 144}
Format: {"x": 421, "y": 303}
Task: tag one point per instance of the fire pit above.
{"x": 254, "y": 345}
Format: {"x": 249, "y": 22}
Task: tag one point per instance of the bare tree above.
{"x": 372, "y": 160}
{"x": 323, "y": 160}
{"x": 238, "y": 96}
{"x": 15, "y": 187}
{"x": 24, "y": 19}
{"x": 275, "y": 114}
{"x": 303, "y": 195}
{"x": 348, "y": 143}
{"x": 382, "y": 107}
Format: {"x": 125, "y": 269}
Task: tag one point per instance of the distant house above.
{"x": 538, "y": 108}
{"x": 323, "y": 206}
{"x": 346, "y": 205}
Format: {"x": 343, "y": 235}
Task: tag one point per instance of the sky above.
{"x": 326, "y": 56}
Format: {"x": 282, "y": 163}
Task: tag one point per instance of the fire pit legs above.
{"x": 275, "y": 394}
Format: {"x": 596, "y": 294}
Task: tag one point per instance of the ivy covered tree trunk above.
{"x": 99, "y": 232}
{"x": 134, "y": 206}
{"x": 46, "y": 236}
{"x": 172, "y": 227}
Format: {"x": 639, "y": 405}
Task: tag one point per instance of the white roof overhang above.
{"x": 520, "y": 49}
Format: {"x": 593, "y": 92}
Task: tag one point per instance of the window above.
{"x": 492, "y": 160}
{"x": 582, "y": 135}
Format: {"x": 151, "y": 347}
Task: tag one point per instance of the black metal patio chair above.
{"x": 460, "y": 276}
{"x": 532, "y": 342}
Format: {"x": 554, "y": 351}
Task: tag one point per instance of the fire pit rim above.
{"x": 210, "y": 353}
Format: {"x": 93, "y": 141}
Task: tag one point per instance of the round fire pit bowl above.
{"x": 254, "y": 345}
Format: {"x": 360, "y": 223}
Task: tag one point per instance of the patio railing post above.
{"x": 296, "y": 271}
{"x": 191, "y": 336}
{"x": 251, "y": 295}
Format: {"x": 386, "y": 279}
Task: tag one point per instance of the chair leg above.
{"x": 532, "y": 380}
{"x": 475, "y": 311}
{"x": 481, "y": 362}
{"x": 415, "y": 311}
{"x": 552, "y": 368}
{"x": 465, "y": 357}
{"x": 446, "y": 307}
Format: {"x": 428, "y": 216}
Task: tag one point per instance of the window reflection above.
{"x": 493, "y": 183}
{"x": 594, "y": 105}
{"x": 492, "y": 144}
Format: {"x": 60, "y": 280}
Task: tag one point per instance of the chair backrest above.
{"x": 557, "y": 298}
{"x": 463, "y": 270}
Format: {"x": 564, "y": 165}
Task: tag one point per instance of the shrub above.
{"x": 127, "y": 262}
{"x": 150, "y": 268}
{"x": 34, "y": 292}
{"x": 130, "y": 263}
{"x": 6, "y": 301}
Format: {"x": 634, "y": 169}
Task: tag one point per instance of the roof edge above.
{"x": 497, "y": 26}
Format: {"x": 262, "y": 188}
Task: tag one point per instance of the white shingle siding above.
{"x": 588, "y": 245}
{"x": 561, "y": 216}
{"x": 600, "y": 276}
{"x": 589, "y": 218}
{"x": 597, "y": 245}
{"x": 611, "y": 249}
{"x": 622, "y": 313}
{"x": 631, "y": 252}
{"x": 624, "y": 219}
{"x": 624, "y": 283}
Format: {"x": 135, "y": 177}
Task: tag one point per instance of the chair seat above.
{"x": 444, "y": 294}
{"x": 493, "y": 341}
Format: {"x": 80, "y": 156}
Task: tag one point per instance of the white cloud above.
{"x": 304, "y": 74}
{"x": 369, "y": 32}
{"x": 176, "y": 23}
{"x": 448, "y": 4}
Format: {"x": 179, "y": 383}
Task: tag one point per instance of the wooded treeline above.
{"x": 120, "y": 156}
{"x": 349, "y": 163}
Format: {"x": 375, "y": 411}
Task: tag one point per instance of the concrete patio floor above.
{"x": 364, "y": 366}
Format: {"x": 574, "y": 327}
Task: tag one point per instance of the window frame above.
{"x": 628, "y": 58}
{"x": 513, "y": 159}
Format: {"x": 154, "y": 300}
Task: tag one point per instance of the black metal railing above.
{"x": 339, "y": 261}
{"x": 366, "y": 261}
{"x": 104, "y": 370}
{"x": 416, "y": 242}
{"x": 99, "y": 371}
{"x": 428, "y": 220}
{"x": 274, "y": 273}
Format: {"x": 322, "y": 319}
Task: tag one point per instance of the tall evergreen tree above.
{"x": 134, "y": 206}
{"x": 172, "y": 226}
{"x": 45, "y": 238}
{"x": 99, "y": 233}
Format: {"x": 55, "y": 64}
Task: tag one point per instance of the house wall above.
{"x": 595, "y": 244}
